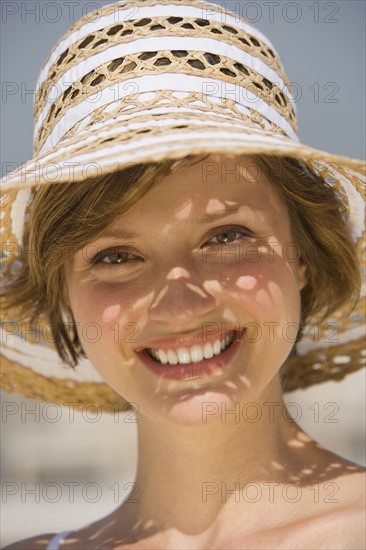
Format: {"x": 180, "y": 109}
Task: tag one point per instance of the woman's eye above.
{"x": 114, "y": 257}
{"x": 230, "y": 235}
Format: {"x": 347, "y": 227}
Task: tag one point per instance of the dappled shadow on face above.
{"x": 239, "y": 286}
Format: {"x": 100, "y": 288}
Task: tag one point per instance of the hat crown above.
{"x": 133, "y": 55}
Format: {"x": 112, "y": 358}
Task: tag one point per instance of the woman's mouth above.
{"x": 186, "y": 355}
{"x": 191, "y": 362}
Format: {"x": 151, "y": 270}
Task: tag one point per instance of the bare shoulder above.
{"x": 347, "y": 520}
{"x": 344, "y": 480}
{"x": 331, "y": 510}
{"x": 39, "y": 542}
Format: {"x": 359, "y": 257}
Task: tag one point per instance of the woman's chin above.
{"x": 201, "y": 407}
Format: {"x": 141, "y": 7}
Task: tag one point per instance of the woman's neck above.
{"x": 191, "y": 479}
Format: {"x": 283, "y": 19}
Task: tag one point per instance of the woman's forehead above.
{"x": 216, "y": 184}
{"x": 191, "y": 195}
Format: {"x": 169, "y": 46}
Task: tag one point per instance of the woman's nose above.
{"x": 180, "y": 299}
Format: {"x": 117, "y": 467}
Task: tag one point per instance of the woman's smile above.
{"x": 191, "y": 362}
{"x": 183, "y": 354}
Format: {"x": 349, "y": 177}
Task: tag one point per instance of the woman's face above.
{"x": 208, "y": 251}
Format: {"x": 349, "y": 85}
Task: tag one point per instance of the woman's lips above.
{"x": 183, "y": 340}
{"x": 191, "y": 371}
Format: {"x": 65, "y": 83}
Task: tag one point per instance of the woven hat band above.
{"x": 109, "y": 17}
{"x": 222, "y": 64}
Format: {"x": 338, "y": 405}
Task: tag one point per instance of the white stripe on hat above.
{"x": 159, "y": 110}
{"x": 43, "y": 360}
{"x": 77, "y": 72}
{"x": 123, "y": 15}
{"x": 165, "y": 81}
{"x": 134, "y": 150}
{"x": 17, "y": 212}
{"x": 229, "y": 123}
{"x": 356, "y": 206}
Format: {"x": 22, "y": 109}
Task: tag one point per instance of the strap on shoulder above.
{"x": 56, "y": 540}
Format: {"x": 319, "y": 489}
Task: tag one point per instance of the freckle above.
{"x": 111, "y": 313}
{"x": 246, "y": 282}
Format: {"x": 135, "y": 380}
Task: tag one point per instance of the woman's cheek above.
{"x": 104, "y": 313}
{"x": 266, "y": 287}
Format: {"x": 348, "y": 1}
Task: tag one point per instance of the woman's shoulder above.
{"x": 338, "y": 481}
{"x": 345, "y": 517}
{"x": 337, "y": 505}
{"x": 38, "y": 542}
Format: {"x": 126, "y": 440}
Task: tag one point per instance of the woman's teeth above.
{"x": 193, "y": 354}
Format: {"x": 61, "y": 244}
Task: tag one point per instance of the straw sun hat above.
{"x": 152, "y": 80}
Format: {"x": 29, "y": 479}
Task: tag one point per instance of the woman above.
{"x": 203, "y": 251}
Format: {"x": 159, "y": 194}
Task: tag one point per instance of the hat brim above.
{"x": 111, "y": 145}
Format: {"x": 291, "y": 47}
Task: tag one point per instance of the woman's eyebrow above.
{"x": 207, "y": 218}
{"x": 118, "y": 234}
{"x": 231, "y": 210}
